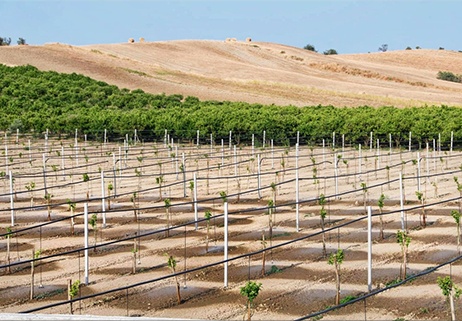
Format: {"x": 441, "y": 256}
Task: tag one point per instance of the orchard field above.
{"x": 291, "y": 204}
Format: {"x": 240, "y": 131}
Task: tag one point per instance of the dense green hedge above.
{"x": 63, "y": 102}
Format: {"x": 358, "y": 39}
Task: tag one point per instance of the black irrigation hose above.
{"x": 233, "y": 259}
{"x": 373, "y": 293}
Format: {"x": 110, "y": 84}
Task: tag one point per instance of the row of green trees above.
{"x": 34, "y": 100}
{"x": 6, "y": 41}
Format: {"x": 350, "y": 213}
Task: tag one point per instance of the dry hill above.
{"x": 256, "y": 71}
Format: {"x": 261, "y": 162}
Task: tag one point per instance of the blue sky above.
{"x": 347, "y": 26}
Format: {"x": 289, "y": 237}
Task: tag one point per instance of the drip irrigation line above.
{"x": 373, "y": 293}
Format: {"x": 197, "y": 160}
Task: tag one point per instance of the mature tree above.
{"x": 309, "y": 47}
{"x": 330, "y": 52}
{"x": 5, "y": 41}
{"x": 21, "y": 41}
{"x": 383, "y": 48}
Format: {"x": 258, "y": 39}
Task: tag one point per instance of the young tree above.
{"x": 273, "y": 191}
{"x": 30, "y": 188}
{"x": 21, "y": 41}
{"x": 421, "y": 199}
{"x": 167, "y": 216}
{"x": 363, "y": 186}
{"x": 270, "y": 220}
{"x": 336, "y": 260}
{"x": 5, "y": 41}
{"x": 93, "y": 223}
{"x": 171, "y": 262}
{"x": 456, "y": 216}
{"x": 8, "y": 237}
{"x": 404, "y": 241}
{"x": 207, "y": 215}
{"x": 86, "y": 178}
{"x": 110, "y": 188}
{"x": 323, "y": 214}
{"x": 250, "y": 291}
{"x": 383, "y": 47}
{"x": 330, "y": 52}
{"x": 47, "y": 198}
{"x": 159, "y": 181}
{"x": 380, "y": 205}
{"x": 191, "y": 188}
{"x": 223, "y": 196}
{"x": 459, "y": 188}
{"x": 72, "y": 292}
{"x": 450, "y": 291}
{"x": 133, "y": 200}
{"x": 72, "y": 209}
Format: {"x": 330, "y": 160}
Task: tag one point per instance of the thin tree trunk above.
{"x": 207, "y": 239}
{"x": 423, "y": 214}
{"x": 49, "y": 210}
{"x": 248, "y": 310}
{"x": 451, "y": 302}
{"x": 8, "y": 254}
{"x": 69, "y": 297}
{"x": 168, "y": 225}
{"x": 323, "y": 238}
{"x": 381, "y": 224}
{"x": 404, "y": 262}
{"x": 177, "y": 287}
{"x": 264, "y": 255}
{"x": 32, "y": 276}
{"x": 337, "y": 275}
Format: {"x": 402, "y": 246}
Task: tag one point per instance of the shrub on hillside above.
{"x": 449, "y": 76}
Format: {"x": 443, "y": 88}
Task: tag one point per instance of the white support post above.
{"x": 11, "y": 198}
{"x": 184, "y": 175}
{"x": 168, "y": 139}
{"x": 46, "y": 143}
{"x": 324, "y": 153}
{"x": 85, "y": 145}
{"x": 410, "y": 141}
{"x": 369, "y": 248}
{"x": 360, "y": 161}
{"x": 343, "y": 145}
{"x": 62, "y": 162}
{"x": 235, "y": 161}
{"x": 211, "y": 145}
{"x": 85, "y": 219}
{"x": 222, "y": 152}
{"x": 115, "y": 177}
{"x": 225, "y": 246}
{"x": 6, "y": 154}
{"x": 336, "y": 176}
{"x": 259, "y": 176}
{"x": 17, "y": 136}
{"x": 389, "y": 155}
{"x": 272, "y": 155}
{"x": 197, "y": 140}
{"x": 230, "y": 138}
{"x": 264, "y": 138}
{"x": 76, "y": 149}
{"x": 297, "y": 206}
{"x": 103, "y": 199}
{"x": 428, "y": 165}
{"x": 378, "y": 152}
{"x": 176, "y": 162}
{"x": 434, "y": 155}
{"x": 195, "y": 201}
{"x": 439, "y": 144}
{"x": 165, "y": 139}
{"x": 44, "y": 174}
{"x": 105, "y": 137}
{"x": 452, "y": 140}
{"x": 30, "y": 153}
{"x": 371, "y": 142}
{"x": 253, "y": 145}
{"x": 333, "y": 140}
{"x": 418, "y": 171}
{"x": 401, "y": 199}
{"x": 298, "y": 138}
{"x": 136, "y": 137}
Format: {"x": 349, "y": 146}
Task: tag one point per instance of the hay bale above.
{"x": 142, "y": 39}
{"x": 248, "y": 40}
{"x": 233, "y": 39}
{"x": 131, "y": 40}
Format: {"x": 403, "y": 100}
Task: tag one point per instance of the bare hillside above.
{"x": 256, "y": 72}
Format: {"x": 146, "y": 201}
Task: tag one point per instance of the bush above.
{"x": 331, "y": 52}
{"x": 309, "y": 47}
{"x": 5, "y": 41}
{"x": 409, "y": 48}
{"x": 417, "y": 47}
{"x": 449, "y": 76}
{"x": 21, "y": 41}
{"x": 441, "y": 48}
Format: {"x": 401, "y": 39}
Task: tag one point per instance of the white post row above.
{"x": 336, "y": 176}
{"x": 6, "y": 154}
{"x": 297, "y": 188}
{"x": 272, "y": 155}
{"x": 85, "y": 218}
{"x": 434, "y": 155}
{"x": 428, "y": 164}
{"x": 230, "y": 138}
{"x": 259, "y": 177}
{"x": 401, "y": 199}
{"x": 184, "y": 176}
{"x": 103, "y": 199}
{"x": 264, "y": 138}
{"x": 225, "y": 246}
{"x": 76, "y": 149}
{"x": 195, "y": 200}
{"x": 418, "y": 171}
{"x": 115, "y": 175}
{"x": 369, "y": 249}
{"x": 11, "y": 197}
{"x": 62, "y": 162}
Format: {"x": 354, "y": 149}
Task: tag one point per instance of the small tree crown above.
{"x": 251, "y": 290}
